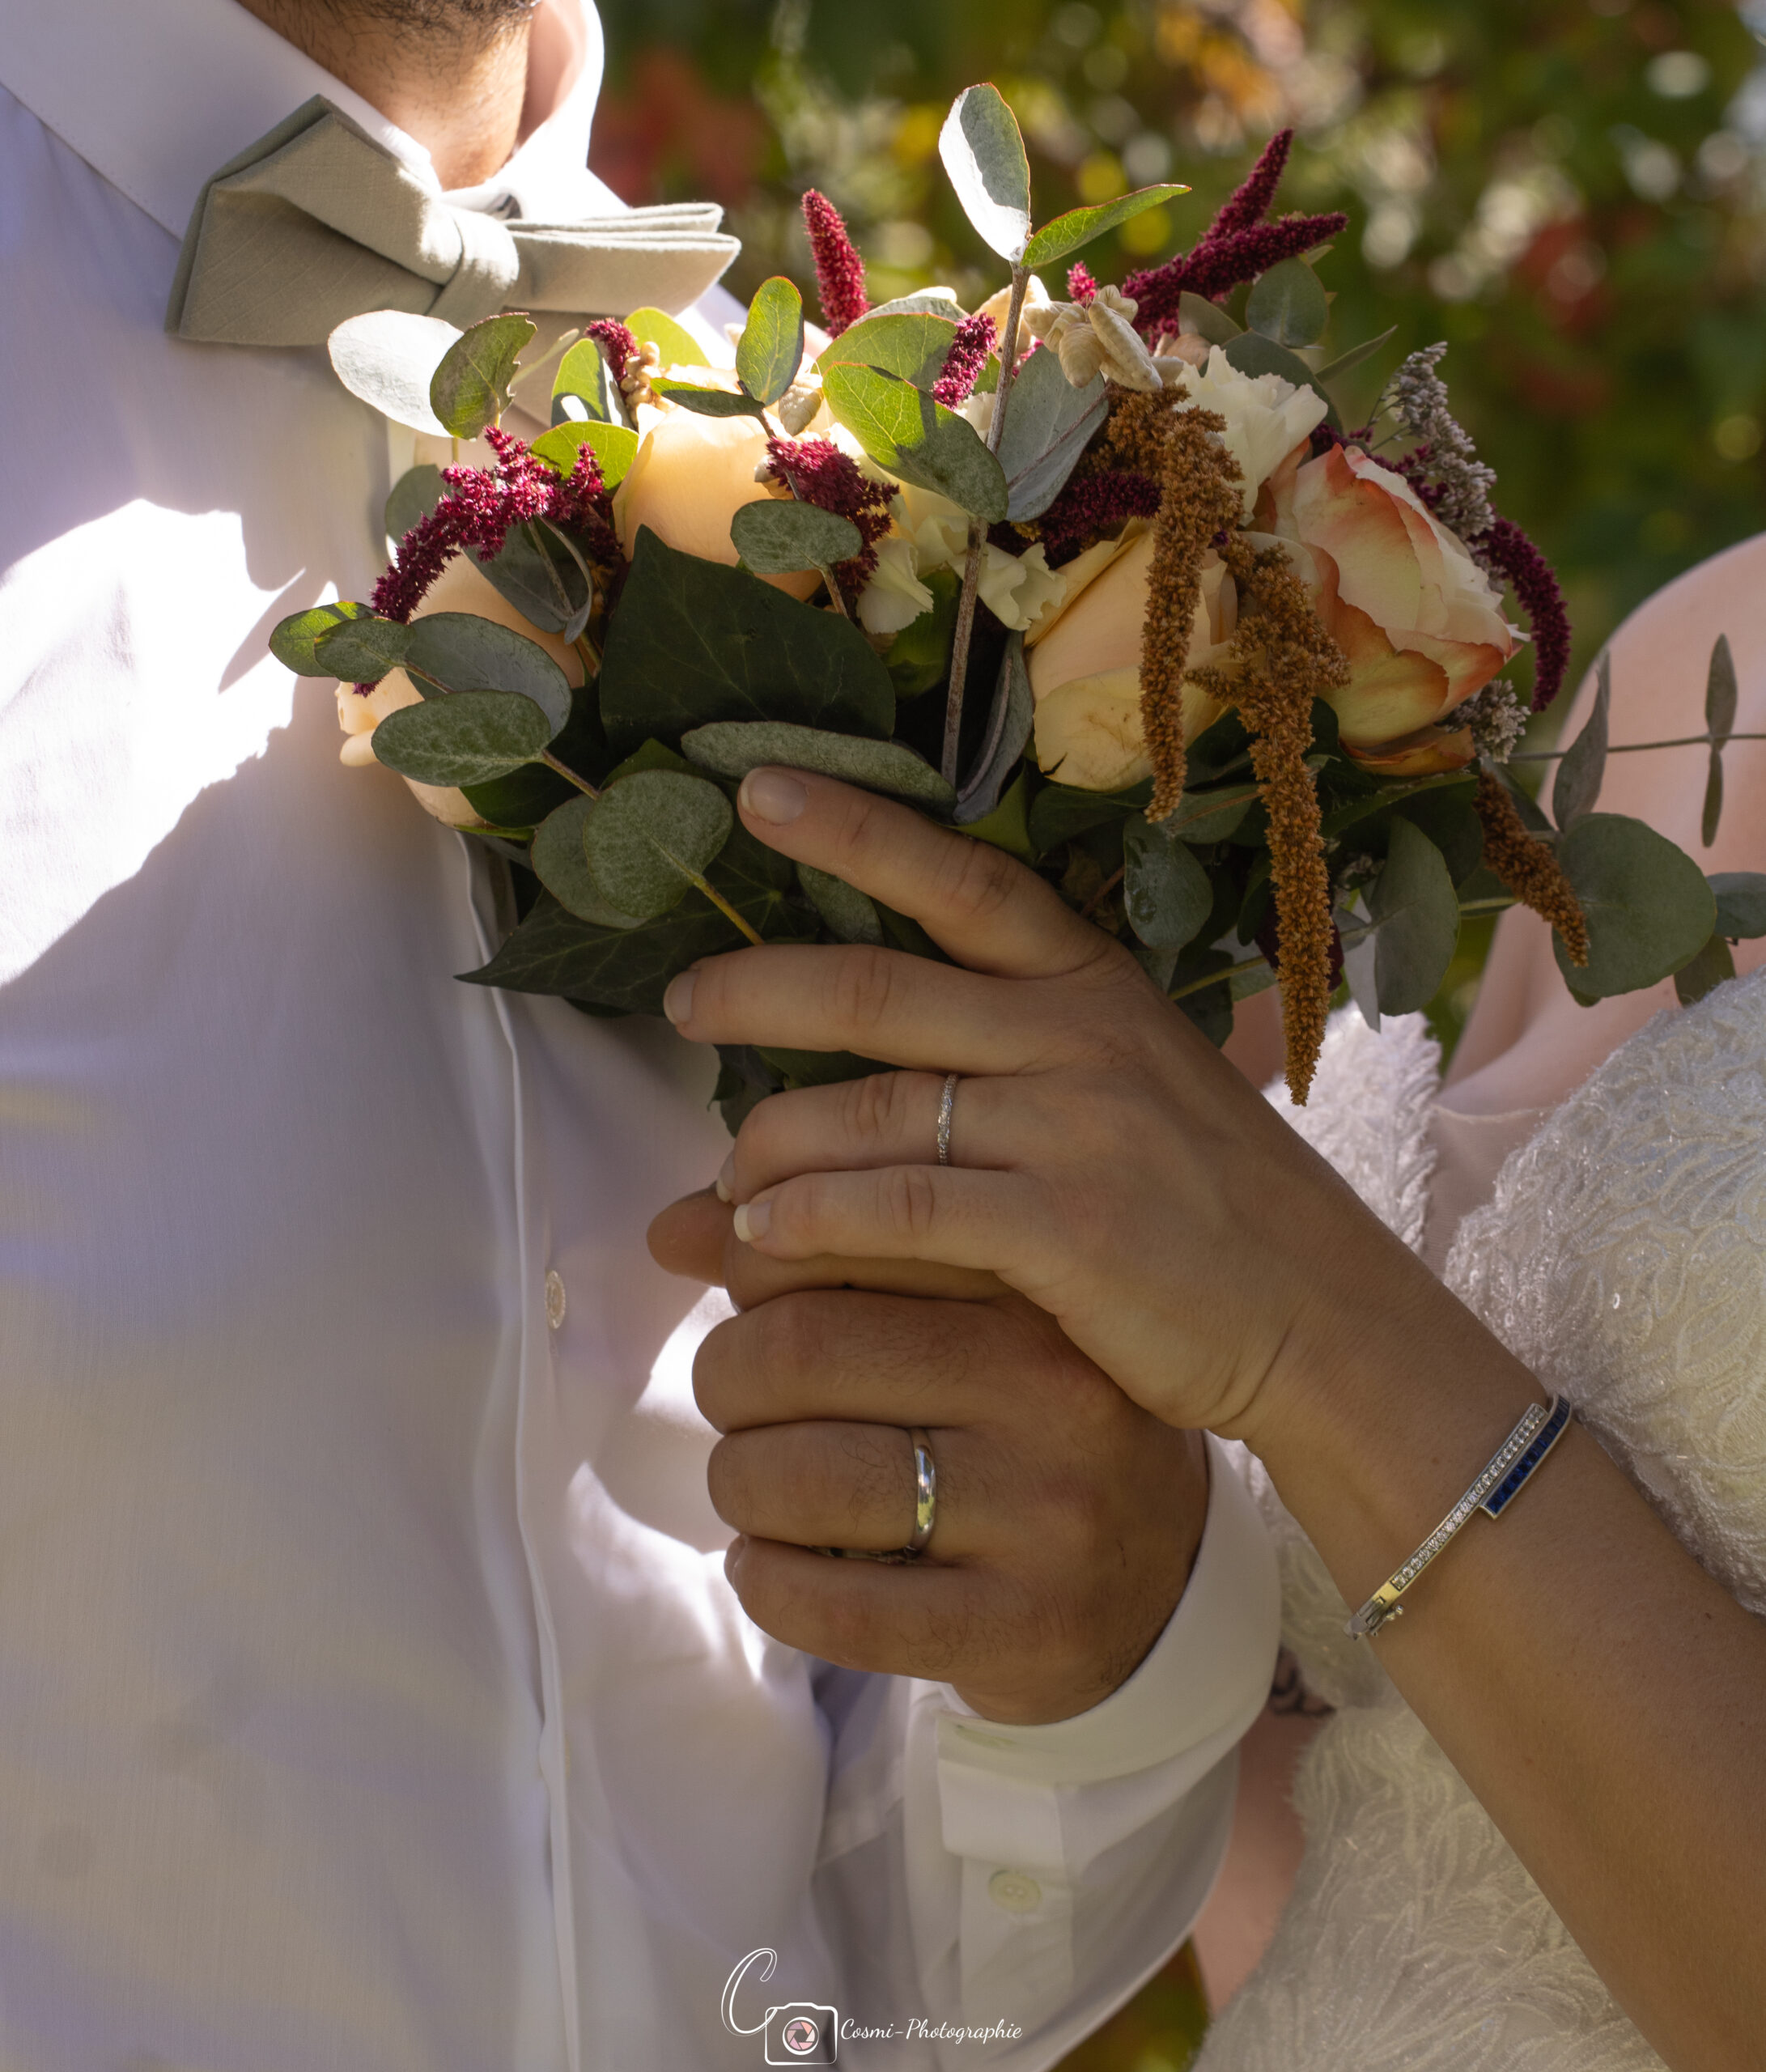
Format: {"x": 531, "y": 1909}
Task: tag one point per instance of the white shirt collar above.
{"x": 177, "y": 87}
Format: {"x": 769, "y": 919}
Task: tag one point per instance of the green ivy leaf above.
{"x": 413, "y": 496}
{"x": 1079, "y": 227}
{"x": 462, "y": 651}
{"x": 734, "y": 749}
{"x": 560, "y": 863}
{"x": 819, "y": 1067}
{"x": 615, "y": 447}
{"x": 1049, "y": 424}
{"x": 913, "y": 345}
{"x": 584, "y": 378}
{"x": 1165, "y": 890}
{"x": 1058, "y": 813}
{"x": 363, "y": 650}
{"x": 916, "y": 438}
{"x": 695, "y": 641}
{"x": 775, "y": 537}
{"x": 542, "y": 578}
{"x": 648, "y": 837}
{"x": 983, "y": 156}
{"x": 771, "y": 347}
{"x": 1289, "y": 305}
{"x": 1740, "y": 903}
{"x": 1648, "y": 908}
{"x": 851, "y": 914}
{"x": 1416, "y": 911}
{"x": 1007, "y": 826}
{"x": 294, "y": 641}
{"x": 470, "y": 389}
{"x": 388, "y": 357}
{"x": 467, "y": 737}
{"x": 1583, "y": 767}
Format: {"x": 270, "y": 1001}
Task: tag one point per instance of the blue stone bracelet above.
{"x": 1509, "y": 1470}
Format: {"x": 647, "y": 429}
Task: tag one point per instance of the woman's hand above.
{"x": 1106, "y": 1161}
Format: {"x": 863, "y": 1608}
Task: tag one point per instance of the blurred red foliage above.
{"x": 664, "y": 131}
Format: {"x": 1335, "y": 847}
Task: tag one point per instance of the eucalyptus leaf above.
{"x": 1165, "y": 891}
{"x": 470, "y": 389}
{"x": 1720, "y": 699}
{"x": 294, "y": 641}
{"x": 413, "y": 496}
{"x": 1417, "y": 912}
{"x": 388, "y": 357}
{"x": 363, "y": 650}
{"x": 1740, "y": 903}
{"x": 560, "y": 863}
{"x": 462, "y": 651}
{"x": 553, "y": 952}
{"x": 1707, "y": 971}
{"x": 1079, "y": 227}
{"x": 771, "y": 347}
{"x": 1049, "y": 424}
{"x": 615, "y": 447}
{"x": 1447, "y": 816}
{"x": 851, "y": 914}
{"x": 1532, "y": 818}
{"x": 1251, "y": 353}
{"x": 1582, "y": 768}
{"x": 1212, "y": 816}
{"x": 1648, "y": 906}
{"x": 732, "y": 749}
{"x": 983, "y": 156}
{"x": 1348, "y": 362}
{"x": 695, "y": 641}
{"x": 675, "y": 345}
{"x": 467, "y": 737}
{"x": 1207, "y": 320}
{"x": 916, "y": 438}
{"x": 1058, "y": 813}
{"x": 1009, "y": 729}
{"x": 1289, "y": 305}
{"x": 913, "y": 345}
{"x": 775, "y": 537}
{"x": 584, "y": 377}
{"x": 707, "y": 402}
{"x": 542, "y": 580}
{"x": 936, "y": 302}
{"x": 648, "y": 837}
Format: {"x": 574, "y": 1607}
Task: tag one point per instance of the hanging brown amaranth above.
{"x": 1528, "y": 868}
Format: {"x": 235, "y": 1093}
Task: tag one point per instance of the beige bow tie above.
{"x": 318, "y": 222}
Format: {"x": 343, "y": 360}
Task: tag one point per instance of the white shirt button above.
{"x": 554, "y": 1299}
{"x": 1014, "y": 1891}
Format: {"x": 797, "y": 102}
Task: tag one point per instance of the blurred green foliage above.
{"x": 1573, "y": 192}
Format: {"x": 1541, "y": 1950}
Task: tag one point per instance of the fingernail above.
{"x": 751, "y": 1218}
{"x": 678, "y": 1002}
{"x": 721, "y": 1186}
{"x": 770, "y": 794}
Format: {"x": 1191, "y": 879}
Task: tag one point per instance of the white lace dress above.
{"x": 1623, "y": 1258}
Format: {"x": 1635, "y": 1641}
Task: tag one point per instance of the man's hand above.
{"x": 1067, "y": 1518}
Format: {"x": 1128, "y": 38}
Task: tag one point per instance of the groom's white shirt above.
{"x": 371, "y": 1696}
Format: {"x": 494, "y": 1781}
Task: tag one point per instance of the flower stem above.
{"x": 570, "y": 775}
{"x": 585, "y": 648}
{"x": 729, "y": 913}
{"x": 971, "y": 573}
{"x": 835, "y": 597}
{"x": 1103, "y": 892}
{"x": 1636, "y": 748}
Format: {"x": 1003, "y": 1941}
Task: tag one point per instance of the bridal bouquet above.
{"x": 1106, "y": 580}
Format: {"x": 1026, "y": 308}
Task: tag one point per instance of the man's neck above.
{"x": 455, "y": 82}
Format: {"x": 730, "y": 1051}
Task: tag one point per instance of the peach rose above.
{"x": 1085, "y": 666}
{"x": 460, "y": 588}
{"x": 1420, "y": 620}
{"x": 691, "y": 477}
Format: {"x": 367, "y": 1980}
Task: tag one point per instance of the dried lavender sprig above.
{"x": 1417, "y": 397}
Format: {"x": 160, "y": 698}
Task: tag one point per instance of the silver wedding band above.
{"x": 925, "y": 1493}
{"x": 946, "y": 1108}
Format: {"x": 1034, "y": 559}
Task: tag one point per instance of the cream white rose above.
{"x": 1266, "y": 418}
